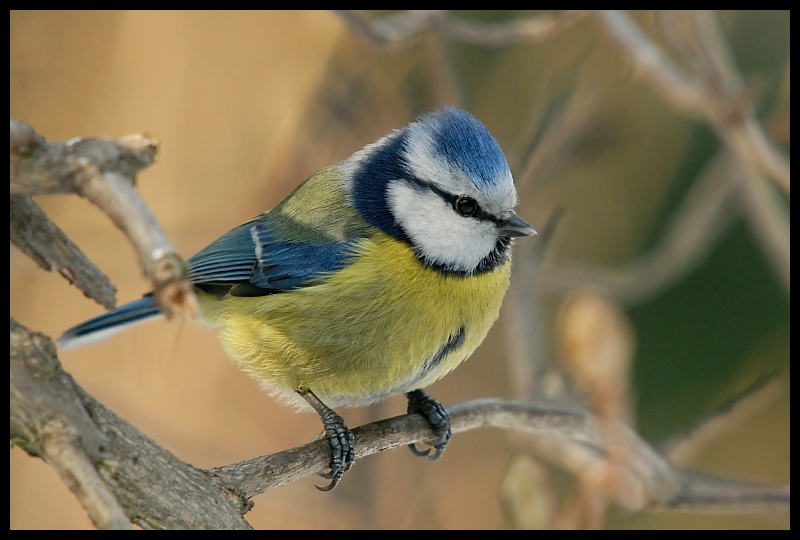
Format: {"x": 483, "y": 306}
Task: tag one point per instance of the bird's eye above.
{"x": 466, "y": 206}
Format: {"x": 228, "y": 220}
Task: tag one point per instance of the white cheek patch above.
{"x": 439, "y": 235}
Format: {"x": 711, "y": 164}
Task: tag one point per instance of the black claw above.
{"x": 439, "y": 451}
{"x": 421, "y": 403}
{"x": 417, "y": 451}
{"x": 333, "y": 484}
{"x": 340, "y": 438}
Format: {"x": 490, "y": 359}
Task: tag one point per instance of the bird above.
{"x": 375, "y": 277}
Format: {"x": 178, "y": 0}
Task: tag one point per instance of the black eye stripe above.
{"x": 451, "y": 199}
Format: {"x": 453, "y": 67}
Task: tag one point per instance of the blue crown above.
{"x": 466, "y": 144}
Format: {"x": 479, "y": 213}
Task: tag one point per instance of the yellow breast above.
{"x": 384, "y": 324}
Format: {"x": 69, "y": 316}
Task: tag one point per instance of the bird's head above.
{"x": 443, "y": 185}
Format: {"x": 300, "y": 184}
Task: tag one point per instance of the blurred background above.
{"x": 248, "y": 105}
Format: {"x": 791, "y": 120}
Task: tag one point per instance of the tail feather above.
{"x": 108, "y": 324}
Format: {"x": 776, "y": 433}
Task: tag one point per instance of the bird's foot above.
{"x": 421, "y": 403}
{"x": 343, "y": 446}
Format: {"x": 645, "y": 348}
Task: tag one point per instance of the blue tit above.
{"x": 376, "y": 276}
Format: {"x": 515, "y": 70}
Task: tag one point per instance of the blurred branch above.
{"x": 104, "y": 171}
{"x": 597, "y": 352}
{"x": 37, "y": 236}
{"x": 402, "y": 30}
{"x": 393, "y": 32}
{"x": 769, "y": 220}
{"x": 533, "y": 30}
{"x": 713, "y": 90}
{"x": 704, "y": 214}
{"x": 724, "y": 190}
{"x": 613, "y": 464}
{"x": 447, "y": 83}
{"x": 700, "y": 491}
{"x": 683, "y": 447}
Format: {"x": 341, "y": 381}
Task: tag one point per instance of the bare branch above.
{"x": 47, "y": 420}
{"x": 393, "y": 32}
{"x": 571, "y": 432}
{"x": 95, "y": 451}
{"x": 402, "y": 30}
{"x": 157, "y": 490}
{"x": 716, "y": 96}
{"x": 37, "y": 236}
{"x": 769, "y": 220}
{"x": 39, "y": 166}
{"x": 704, "y": 214}
{"x": 104, "y": 171}
{"x": 680, "y": 449}
{"x": 291, "y": 465}
{"x": 703, "y": 492}
{"x": 533, "y": 30}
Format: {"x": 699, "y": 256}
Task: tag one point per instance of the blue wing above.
{"x": 252, "y": 256}
{"x": 247, "y": 261}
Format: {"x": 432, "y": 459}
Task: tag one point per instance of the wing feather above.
{"x": 252, "y": 254}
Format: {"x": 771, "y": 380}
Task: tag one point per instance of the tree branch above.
{"x": 707, "y": 210}
{"x": 402, "y": 30}
{"x": 714, "y": 94}
{"x": 104, "y": 460}
{"x": 39, "y": 238}
{"x": 53, "y": 417}
{"x": 104, "y": 171}
{"x": 48, "y": 420}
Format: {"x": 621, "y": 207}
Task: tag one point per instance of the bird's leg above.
{"x": 421, "y": 403}
{"x": 343, "y": 447}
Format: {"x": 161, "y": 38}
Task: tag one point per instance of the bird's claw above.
{"x": 421, "y": 403}
{"x": 342, "y": 449}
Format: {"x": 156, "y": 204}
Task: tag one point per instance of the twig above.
{"x": 402, "y": 30}
{"x": 37, "y": 236}
{"x": 393, "y": 32}
{"x": 533, "y": 30}
{"x": 769, "y": 220}
{"x": 681, "y": 448}
{"x": 703, "y": 492}
{"x": 155, "y": 489}
{"x": 291, "y": 465}
{"x": 39, "y": 166}
{"x": 716, "y": 96}
{"x": 104, "y": 171}
{"x": 566, "y": 429}
{"x": 704, "y": 214}
{"x": 707, "y": 493}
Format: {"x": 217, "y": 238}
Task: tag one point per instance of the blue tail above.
{"x": 110, "y": 323}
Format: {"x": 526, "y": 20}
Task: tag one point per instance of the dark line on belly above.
{"x": 454, "y": 342}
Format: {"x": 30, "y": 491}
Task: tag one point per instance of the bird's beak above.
{"x": 515, "y": 226}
